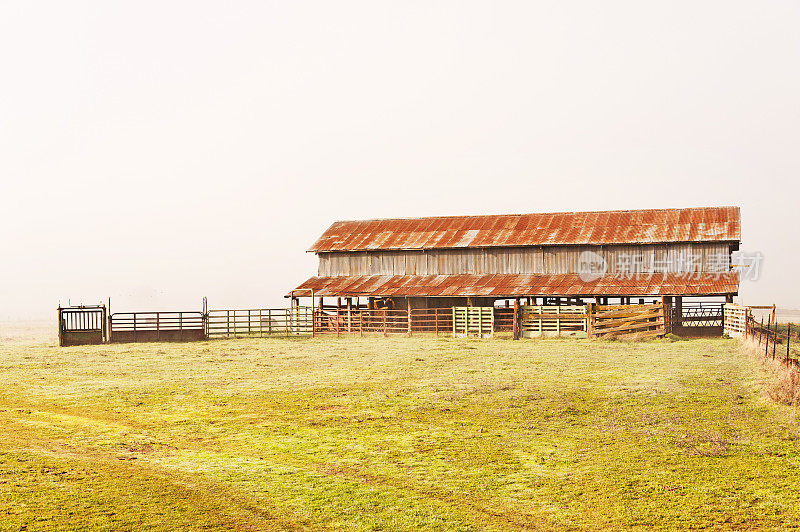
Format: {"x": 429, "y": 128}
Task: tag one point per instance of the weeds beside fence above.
{"x": 776, "y": 342}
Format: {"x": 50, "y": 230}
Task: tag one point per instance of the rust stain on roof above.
{"x": 515, "y": 285}
{"x": 706, "y": 224}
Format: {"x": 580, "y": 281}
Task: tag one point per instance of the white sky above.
{"x": 157, "y": 152}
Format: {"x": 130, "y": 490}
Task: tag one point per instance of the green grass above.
{"x": 394, "y": 434}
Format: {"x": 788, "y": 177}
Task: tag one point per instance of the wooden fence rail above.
{"x": 627, "y": 321}
{"x": 260, "y": 323}
{"x": 553, "y": 320}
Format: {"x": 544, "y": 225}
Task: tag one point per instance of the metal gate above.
{"x": 157, "y": 326}
{"x": 82, "y": 325}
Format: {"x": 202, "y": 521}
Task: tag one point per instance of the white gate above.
{"x": 473, "y": 321}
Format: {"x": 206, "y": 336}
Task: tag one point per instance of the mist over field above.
{"x": 156, "y": 154}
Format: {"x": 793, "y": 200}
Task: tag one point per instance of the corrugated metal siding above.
{"x": 534, "y": 260}
{"x": 708, "y": 224}
{"x": 509, "y": 285}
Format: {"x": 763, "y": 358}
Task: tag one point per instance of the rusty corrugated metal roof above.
{"x": 706, "y": 224}
{"x": 516, "y": 285}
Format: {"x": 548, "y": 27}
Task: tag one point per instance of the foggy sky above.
{"x": 157, "y": 152}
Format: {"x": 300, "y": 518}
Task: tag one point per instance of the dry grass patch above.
{"x": 784, "y": 384}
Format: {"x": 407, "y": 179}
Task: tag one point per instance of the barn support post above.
{"x": 677, "y": 320}
{"x": 666, "y": 304}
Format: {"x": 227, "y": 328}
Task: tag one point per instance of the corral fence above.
{"x": 259, "y": 323}
{"x": 157, "y": 326}
{"x": 82, "y": 325}
{"x": 592, "y": 321}
{"x": 553, "y": 320}
{"x": 341, "y": 322}
{"x": 627, "y": 321}
{"x": 438, "y": 321}
{"x": 777, "y": 339}
{"x": 473, "y": 321}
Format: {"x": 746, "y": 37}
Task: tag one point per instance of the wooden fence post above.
{"x": 589, "y": 320}
{"x": 515, "y": 329}
{"x": 409, "y": 320}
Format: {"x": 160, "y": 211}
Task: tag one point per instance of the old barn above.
{"x": 676, "y": 256}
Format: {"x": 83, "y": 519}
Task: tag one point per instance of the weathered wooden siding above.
{"x": 702, "y": 257}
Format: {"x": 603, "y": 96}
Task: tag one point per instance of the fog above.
{"x": 159, "y": 152}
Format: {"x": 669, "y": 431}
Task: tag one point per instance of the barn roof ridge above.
{"x": 554, "y": 213}
{"x": 634, "y": 226}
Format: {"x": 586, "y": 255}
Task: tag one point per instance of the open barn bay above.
{"x": 393, "y": 434}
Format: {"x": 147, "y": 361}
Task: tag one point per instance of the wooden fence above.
{"x": 259, "y": 323}
{"x": 473, "y": 321}
{"x": 361, "y": 322}
{"x": 626, "y": 321}
{"x": 341, "y": 322}
{"x": 735, "y": 320}
{"x": 553, "y": 320}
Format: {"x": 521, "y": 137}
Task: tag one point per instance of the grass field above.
{"x": 394, "y": 434}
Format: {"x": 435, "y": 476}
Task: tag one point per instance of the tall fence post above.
{"x": 788, "y": 335}
{"x": 515, "y": 328}
{"x": 409, "y": 320}
{"x": 766, "y": 342}
{"x": 774, "y": 338}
